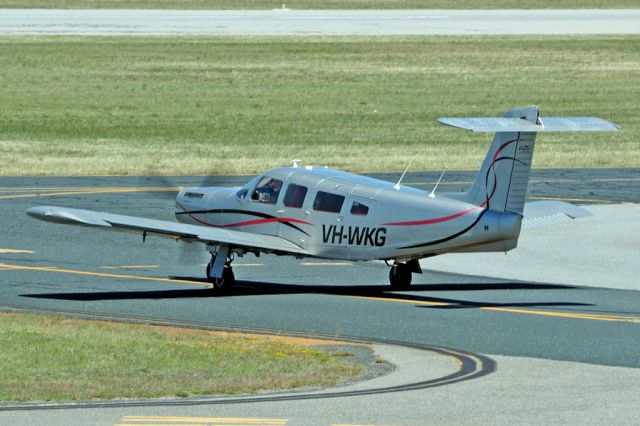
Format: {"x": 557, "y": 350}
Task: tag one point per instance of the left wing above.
{"x": 163, "y": 228}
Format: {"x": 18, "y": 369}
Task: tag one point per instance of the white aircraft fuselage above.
{"x": 369, "y": 219}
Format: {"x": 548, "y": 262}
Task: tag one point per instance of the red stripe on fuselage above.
{"x": 462, "y": 213}
{"x": 432, "y": 221}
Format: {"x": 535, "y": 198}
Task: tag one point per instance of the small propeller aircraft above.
{"x": 325, "y": 213}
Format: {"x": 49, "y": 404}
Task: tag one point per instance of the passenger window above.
{"x": 295, "y": 195}
{"x": 359, "y": 209}
{"x": 326, "y": 202}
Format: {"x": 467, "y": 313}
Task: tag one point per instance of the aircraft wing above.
{"x": 538, "y": 214}
{"x": 167, "y": 229}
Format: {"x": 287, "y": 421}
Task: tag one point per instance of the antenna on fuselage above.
{"x": 295, "y": 163}
{"x": 397, "y": 185}
{"x": 432, "y": 194}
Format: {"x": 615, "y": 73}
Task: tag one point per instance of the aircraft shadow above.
{"x": 381, "y": 291}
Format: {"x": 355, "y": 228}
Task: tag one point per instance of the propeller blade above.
{"x": 163, "y": 186}
{"x": 192, "y": 253}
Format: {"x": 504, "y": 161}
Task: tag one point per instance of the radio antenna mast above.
{"x": 397, "y": 185}
{"x": 432, "y": 194}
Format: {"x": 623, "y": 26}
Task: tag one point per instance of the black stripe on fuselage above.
{"x": 450, "y": 237}
{"x": 247, "y": 212}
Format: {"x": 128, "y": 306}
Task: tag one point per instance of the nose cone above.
{"x": 188, "y": 200}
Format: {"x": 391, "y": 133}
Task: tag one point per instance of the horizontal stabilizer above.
{"x": 548, "y": 124}
{"x": 540, "y": 214}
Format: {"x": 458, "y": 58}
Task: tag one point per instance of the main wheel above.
{"x": 400, "y": 277}
{"x": 226, "y": 282}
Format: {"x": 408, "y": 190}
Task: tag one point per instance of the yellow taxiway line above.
{"x": 144, "y": 420}
{"x": 129, "y": 266}
{"x": 556, "y": 314}
{"x": 98, "y": 274}
{"x": 574, "y": 315}
{"x": 12, "y": 251}
{"x": 91, "y": 191}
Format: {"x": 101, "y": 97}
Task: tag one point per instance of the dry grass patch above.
{"x": 53, "y": 359}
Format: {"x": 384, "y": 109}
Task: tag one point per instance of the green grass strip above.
{"x": 54, "y": 359}
{"x": 192, "y": 105}
{"x": 317, "y": 4}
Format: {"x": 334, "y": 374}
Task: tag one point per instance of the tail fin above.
{"x": 501, "y": 183}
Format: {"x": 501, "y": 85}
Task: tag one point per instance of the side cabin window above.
{"x": 295, "y": 195}
{"x": 326, "y": 202}
{"x": 359, "y": 209}
{"x": 267, "y": 190}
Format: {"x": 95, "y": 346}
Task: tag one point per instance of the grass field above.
{"x": 54, "y": 359}
{"x": 201, "y": 105}
{"x": 318, "y": 4}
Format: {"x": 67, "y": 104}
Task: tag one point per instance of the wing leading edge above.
{"x": 163, "y": 228}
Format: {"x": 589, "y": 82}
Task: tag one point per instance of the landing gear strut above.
{"x": 219, "y": 271}
{"x": 401, "y": 273}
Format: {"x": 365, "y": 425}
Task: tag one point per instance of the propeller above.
{"x": 165, "y": 189}
{"x": 192, "y": 253}
{"x": 163, "y": 186}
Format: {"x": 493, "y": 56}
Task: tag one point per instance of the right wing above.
{"x": 163, "y": 228}
{"x": 539, "y": 214}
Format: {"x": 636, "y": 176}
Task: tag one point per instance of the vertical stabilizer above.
{"x": 501, "y": 183}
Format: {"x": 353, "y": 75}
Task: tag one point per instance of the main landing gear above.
{"x": 401, "y": 273}
{"x": 219, "y": 271}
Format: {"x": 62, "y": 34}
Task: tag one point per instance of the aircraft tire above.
{"x": 400, "y": 277}
{"x": 226, "y": 282}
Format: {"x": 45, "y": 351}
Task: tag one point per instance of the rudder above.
{"x": 502, "y": 181}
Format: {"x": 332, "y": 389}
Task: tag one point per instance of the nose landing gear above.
{"x": 219, "y": 271}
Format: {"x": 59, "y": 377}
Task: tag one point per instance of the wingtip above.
{"x": 38, "y": 212}
{"x": 66, "y": 216}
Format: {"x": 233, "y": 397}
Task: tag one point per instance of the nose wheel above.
{"x": 219, "y": 271}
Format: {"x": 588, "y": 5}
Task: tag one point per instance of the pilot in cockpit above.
{"x": 268, "y": 191}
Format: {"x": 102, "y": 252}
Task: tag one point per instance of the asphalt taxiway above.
{"x": 565, "y": 350}
{"x": 318, "y": 22}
